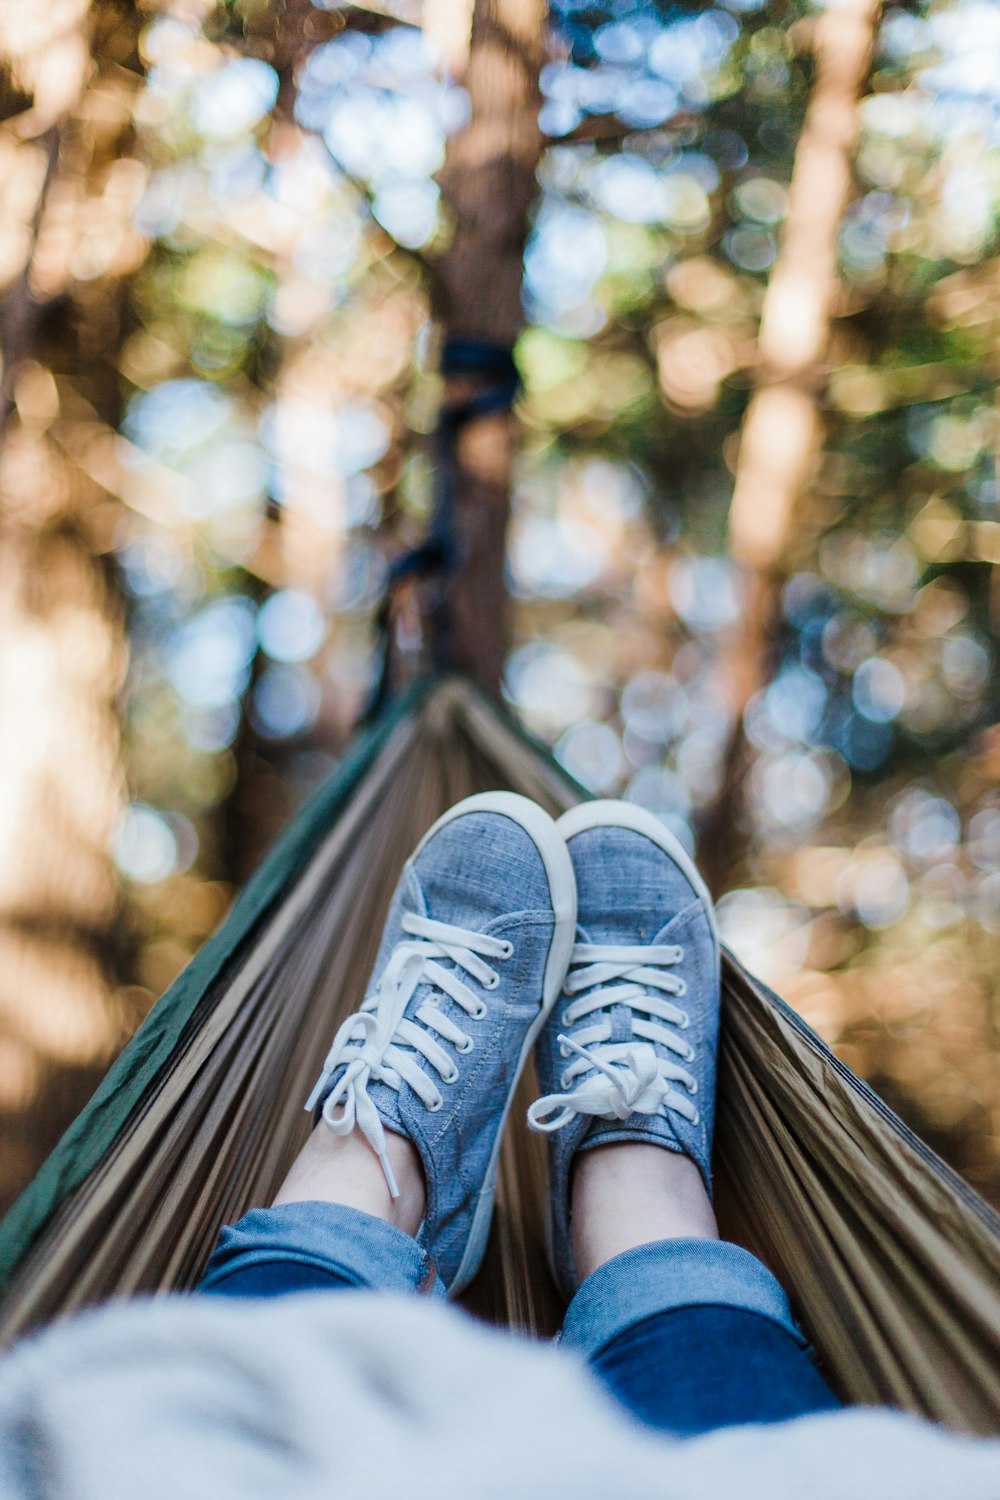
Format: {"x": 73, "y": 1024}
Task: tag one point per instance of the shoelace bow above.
{"x": 622, "y": 1078}
{"x": 378, "y": 1041}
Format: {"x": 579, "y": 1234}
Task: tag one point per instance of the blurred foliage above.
{"x": 278, "y": 388}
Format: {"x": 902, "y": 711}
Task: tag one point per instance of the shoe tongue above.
{"x": 620, "y": 1016}
{"x": 621, "y": 1024}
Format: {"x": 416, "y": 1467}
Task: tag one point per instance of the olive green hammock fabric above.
{"x": 892, "y": 1263}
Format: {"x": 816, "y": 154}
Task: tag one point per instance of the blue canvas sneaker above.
{"x": 629, "y": 1055}
{"x": 472, "y": 960}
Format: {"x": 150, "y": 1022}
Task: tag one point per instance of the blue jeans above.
{"x": 689, "y": 1335}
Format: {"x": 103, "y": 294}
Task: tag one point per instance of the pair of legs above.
{"x": 689, "y": 1333}
{"x": 682, "y": 1366}
{"x": 623, "y": 1195}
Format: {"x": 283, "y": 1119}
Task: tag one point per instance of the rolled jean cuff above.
{"x": 350, "y": 1245}
{"x": 668, "y": 1274}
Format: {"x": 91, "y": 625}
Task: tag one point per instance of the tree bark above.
{"x": 782, "y": 433}
{"x": 62, "y": 641}
{"x": 488, "y": 184}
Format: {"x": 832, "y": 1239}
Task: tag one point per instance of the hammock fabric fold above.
{"x": 892, "y": 1262}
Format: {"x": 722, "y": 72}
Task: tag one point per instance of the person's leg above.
{"x": 690, "y": 1333}
{"x": 396, "y": 1183}
{"x": 333, "y": 1224}
{"x": 692, "y": 1369}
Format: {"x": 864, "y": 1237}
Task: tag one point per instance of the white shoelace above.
{"x": 370, "y": 1044}
{"x": 625, "y": 1077}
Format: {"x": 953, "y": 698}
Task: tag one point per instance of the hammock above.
{"x": 892, "y": 1262}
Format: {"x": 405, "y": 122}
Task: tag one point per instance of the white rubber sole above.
{"x": 544, "y": 834}
{"x": 609, "y": 814}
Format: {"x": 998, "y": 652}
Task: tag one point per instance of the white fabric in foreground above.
{"x": 357, "y": 1395}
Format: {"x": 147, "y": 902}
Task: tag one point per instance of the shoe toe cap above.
{"x": 628, "y": 888}
{"x": 479, "y": 868}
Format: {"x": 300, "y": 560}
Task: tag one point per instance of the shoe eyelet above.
{"x": 451, "y": 1077}
{"x": 433, "y": 1108}
{"x": 492, "y": 982}
{"x": 682, "y": 988}
{"x": 564, "y": 1082}
{"x": 480, "y": 1012}
{"x": 566, "y": 1019}
{"x": 685, "y": 1020}
{"x": 507, "y": 951}
{"x": 465, "y": 1047}
{"x": 690, "y": 1055}
{"x": 696, "y": 1118}
{"x": 692, "y": 1087}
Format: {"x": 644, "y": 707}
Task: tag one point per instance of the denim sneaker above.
{"x": 472, "y": 959}
{"x": 630, "y": 1055}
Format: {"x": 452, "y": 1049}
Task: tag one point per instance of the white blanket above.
{"x": 333, "y": 1397}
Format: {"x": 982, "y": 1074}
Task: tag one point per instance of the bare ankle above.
{"x": 344, "y": 1169}
{"x": 628, "y": 1193}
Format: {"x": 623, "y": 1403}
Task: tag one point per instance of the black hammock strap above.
{"x": 493, "y": 367}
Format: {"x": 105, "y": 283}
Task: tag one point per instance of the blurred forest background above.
{"x": 755, "y": 516}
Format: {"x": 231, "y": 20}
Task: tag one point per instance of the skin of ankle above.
{"x": 628, "y": 1193}
{"x": 344, "y": 1169}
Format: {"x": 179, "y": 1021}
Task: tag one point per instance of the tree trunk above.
{"x": 782, "y": 433}
{"x": 62, "y": 643}
{"x": 488, "y": 183}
